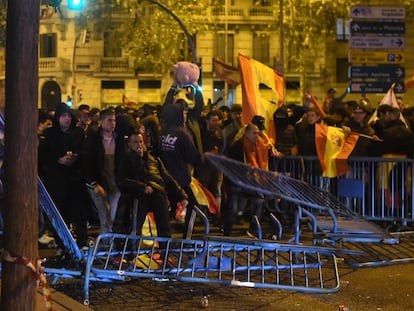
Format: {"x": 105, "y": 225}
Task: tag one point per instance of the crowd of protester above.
{"x": 96, "y": 163}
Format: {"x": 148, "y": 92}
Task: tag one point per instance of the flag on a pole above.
{"x": 254, "y": 73}
{"x": 334, "y": 146}
{"x": 316, "y": 104}
{"x": 226, "y": 73}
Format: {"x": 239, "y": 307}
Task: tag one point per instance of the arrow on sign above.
{"x": 365, "y": 42}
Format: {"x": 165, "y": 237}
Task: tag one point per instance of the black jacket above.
{"x": 94, "y": 156}
{"x": 135, "y": 173}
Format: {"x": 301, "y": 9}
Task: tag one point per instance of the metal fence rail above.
{"x": 118, "y": 257}
{"x": 238, "y": 262}
{"x": 330, "y": 218}
{"x": 385, "y": 185}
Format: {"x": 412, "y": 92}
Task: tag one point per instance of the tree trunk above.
{"x": 20, "y": 182}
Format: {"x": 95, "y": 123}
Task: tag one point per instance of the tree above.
{"x": 151, "y": 35}
{"x": 20, "y": 182}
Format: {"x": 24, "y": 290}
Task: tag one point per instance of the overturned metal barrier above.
{"x": 237, "y": 262}
{"x": 331, "y": 222}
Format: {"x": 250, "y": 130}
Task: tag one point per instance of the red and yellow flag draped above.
{"x": 334, "y": 146}
{"x": 254, "y": 73}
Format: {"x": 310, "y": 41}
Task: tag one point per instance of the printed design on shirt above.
{"x": 168, "y": 142}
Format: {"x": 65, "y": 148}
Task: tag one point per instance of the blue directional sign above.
{"x": 377, "y": 72}
{"x": 378, "y": 42}
{"x": 375, "y": 87}
{"x": 377, "y": 27}
{"x": 379, "y": 12}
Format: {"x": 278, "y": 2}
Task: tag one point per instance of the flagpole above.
{"x": 226, "y": 44}
{"x": 282, "y": 51}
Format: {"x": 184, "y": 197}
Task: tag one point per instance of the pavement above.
{"x": 387, "y": 288}
{"x": 60, "y": 302}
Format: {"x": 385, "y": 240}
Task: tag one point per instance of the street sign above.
{"x": 377, "y": 72}
{"x": 375, "y": 87}
{"x": 378, "y": 12}
{"x": 376, "y": 57}
{"x": 378, "y": 27}
{"x": 361, "y": 42}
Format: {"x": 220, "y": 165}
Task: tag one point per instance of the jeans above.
{"x": 103, "y": 208}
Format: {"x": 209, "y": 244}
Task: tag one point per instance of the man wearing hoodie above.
{"x": 178, "y": 150}
{"x": 62, "y": 171}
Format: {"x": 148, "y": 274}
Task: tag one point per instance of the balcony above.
{"x": 53, "y": 65}
{"x": 115, "y": 64}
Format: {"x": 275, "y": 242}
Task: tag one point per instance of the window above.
{"x": 111, "y": 92}
{"x": 149, "y": 84}
{"x": 48, "y": 45}
{"x": 111, "y": 48}
{"x": 261, "y": 48}
{"x": 113, "y": 84}
{"x": 220, "y": 47}
{"x": 292, "y": 84}
{"x": 149, "y": 92}
{"x": 342, "y": 70}
{"x": 342, "y": 29}
{"x": 262, "y": 2}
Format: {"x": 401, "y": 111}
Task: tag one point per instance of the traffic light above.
{"x": 69, "y": 101}
{"x": 80, "y": 93}
{"x": 76, "y": 4}
{"x": 86, "y": 36}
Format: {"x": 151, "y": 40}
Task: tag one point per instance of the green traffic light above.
{"x": 75, "y": 4}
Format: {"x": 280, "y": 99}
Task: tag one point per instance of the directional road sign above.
{"x": 376, "y": 57}
{"x": 377, "y": 72}
{"x": 378, "y": 27}
{"x": 375, "y": 87}
{"x": 365, "y": 42}
{"x": 377, "y": 12}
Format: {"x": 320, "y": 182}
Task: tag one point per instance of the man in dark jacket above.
{"x": 62, "y": 171}
{"x": 144, "y": 177}
{"x": 103, "y": 149}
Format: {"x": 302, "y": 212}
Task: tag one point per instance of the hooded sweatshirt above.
{"x": 177, "y": 146}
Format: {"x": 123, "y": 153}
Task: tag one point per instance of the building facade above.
{"x": 80, "y": 66}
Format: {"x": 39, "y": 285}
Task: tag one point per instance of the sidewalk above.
{"x": 60, "y": 302}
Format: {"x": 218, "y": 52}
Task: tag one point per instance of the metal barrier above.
{"x": 329, "y": 217}
{"x": 382, "y": 189}
{"x": 241, "y": 262}
{"x": 224, "y": 261}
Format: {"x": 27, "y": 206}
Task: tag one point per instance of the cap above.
{"x": 364, "y": 105}
{"x": 236, "y": 108}
{"x": 83, "y": 107}
{"x": 259, "y": 121}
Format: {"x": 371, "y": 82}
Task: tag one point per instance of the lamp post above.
{"x": 73, "y": 89}
{"x": 186, "y": 32}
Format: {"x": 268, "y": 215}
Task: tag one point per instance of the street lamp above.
{"x": 186, "y": 32}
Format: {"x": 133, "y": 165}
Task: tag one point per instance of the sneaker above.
{"x": 46, "y": 239}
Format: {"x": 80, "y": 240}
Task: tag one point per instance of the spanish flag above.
{"x": 409, "y": 84}
{"x": 253, "y": 74}
{"x": 227, "y": 73}
{"x": 334, "y": 146}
